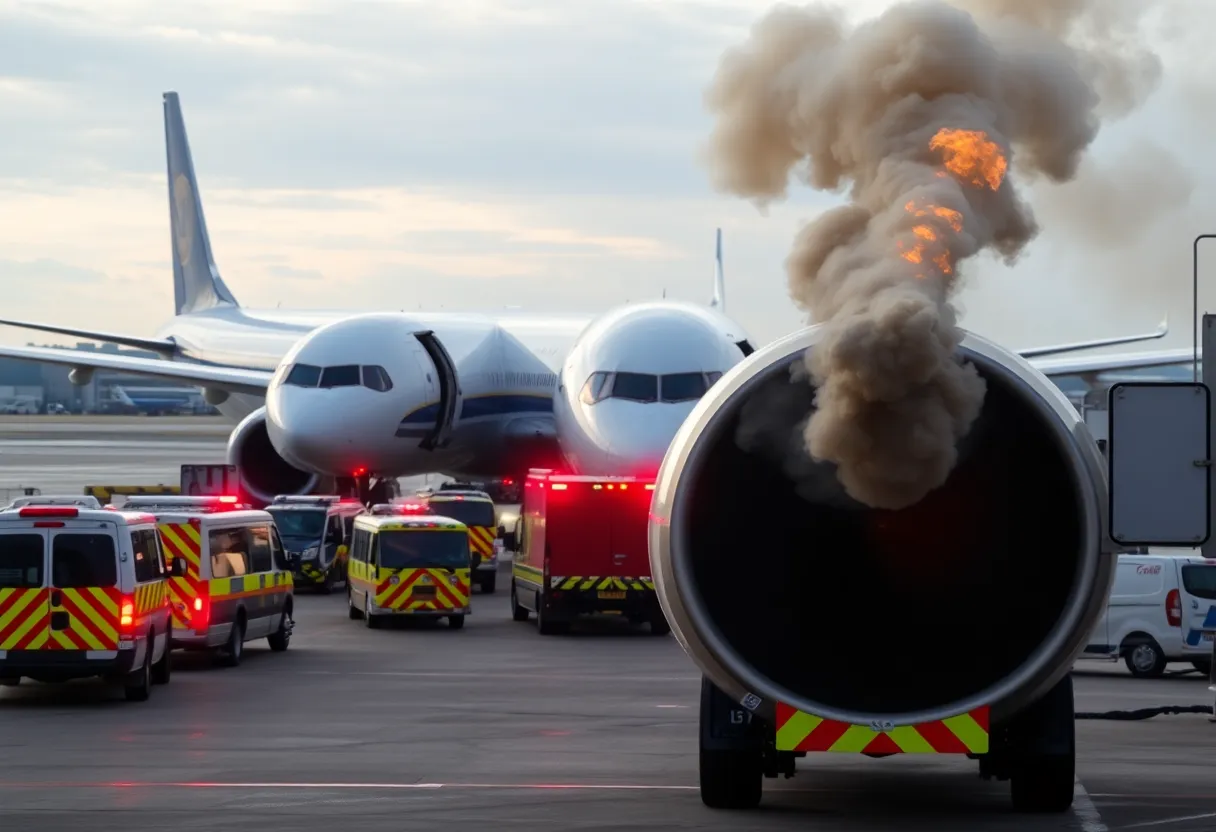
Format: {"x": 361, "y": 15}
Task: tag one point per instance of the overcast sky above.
{"x": 544, "y": 154}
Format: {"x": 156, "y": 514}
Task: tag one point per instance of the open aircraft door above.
{"x": 450, "y": 395}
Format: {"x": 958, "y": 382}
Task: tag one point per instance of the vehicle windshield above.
{"x": 469, "y": 512}
{"x": 300, "y": 523}
{"x": 409, "y": 548}
{"x": 20, "y": 561}
{"x": 1199, "y": 579}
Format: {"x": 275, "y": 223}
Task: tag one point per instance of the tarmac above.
{"x": 417, "y": 727}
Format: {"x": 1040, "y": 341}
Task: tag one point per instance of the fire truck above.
{"x": 580, "y": 549}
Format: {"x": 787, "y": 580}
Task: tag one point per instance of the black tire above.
{"x": 372, "y": 622}
{"x": 456, "y": 622}
{"x": 518, "y": 613}
{"x": 280, "y": 639}
{"x": 1204, "y": 666}
{"x": 327, "y": 583}
{"x": 731, "y": 779}
{"x": 1144, "y": 657}
{"x": 545, "y": 625}
{"x": 489, "y": 583}
{"x": 659, "y": 625}
{"x": 1043, "y": 784}
{"x": 354, "y": 614}
{"x": 163, "y": 669}
{"x": 138, "y": 685}
{"x": 234, "y": 650}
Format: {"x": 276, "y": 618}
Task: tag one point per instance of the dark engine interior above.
{"x": 263, "y": 468}
{"x": 887, "y": 611}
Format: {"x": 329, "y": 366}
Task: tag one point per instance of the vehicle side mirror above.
{"x": 178, "y": 568}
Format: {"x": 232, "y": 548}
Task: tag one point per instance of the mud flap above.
{"x": 727, "y": 725}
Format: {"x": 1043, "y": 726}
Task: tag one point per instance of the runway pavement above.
{"x": 496, "y": 727}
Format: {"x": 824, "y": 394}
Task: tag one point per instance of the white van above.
{"x": 1162, "y": 609}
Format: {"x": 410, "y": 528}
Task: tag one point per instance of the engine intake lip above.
{"x": 701, "y": 638}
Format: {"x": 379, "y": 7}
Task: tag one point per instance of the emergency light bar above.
{"x": 223, "y": 502}
{"x": 57, "y": 500}
{"x": 49, "y": 511}
{"x": 400, "y": 508}
{"x": 306, "y": 499}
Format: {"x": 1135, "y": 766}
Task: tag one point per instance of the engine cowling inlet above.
{"x": 983, "y": 593}
{"x": 264, "y": 473}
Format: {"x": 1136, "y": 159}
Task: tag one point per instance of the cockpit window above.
{"x": 636, "y": 387}
{"x": 595, "y": 389}
{"x": 304, "y": 375}
{"x": 713, "y": 377}
{"x": 376, "y": 378}
{"x": 344, "y": 375}
{"x": 683, "y": 387}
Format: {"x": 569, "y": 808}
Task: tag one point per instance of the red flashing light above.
{"x": 1173, "y": 608}
{"x": 508, "y": 481}
{"x": 558, "y": 486}
{"x": 227, "y": 498}
{"x": 201, "y": 617}
{"x": 50, "y": 511}
{"x": 48, "y": 524}
{"x": 358, "y": 472}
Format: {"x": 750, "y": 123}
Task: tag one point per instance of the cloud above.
{"x": 42, "y": 271}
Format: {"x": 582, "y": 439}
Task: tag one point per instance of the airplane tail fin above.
{"x": 197, "y": 284}
{"x": 719, "y": 298}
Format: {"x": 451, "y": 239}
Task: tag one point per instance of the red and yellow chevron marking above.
{"x": 451, "y": 590}
{"x": 962, "y": 734}
{"x": 92, "y": 619}
{"x": 150, "y": 598}
{"x": 481, "y": 540}
{"x": 25, "y": 618}
{"x": 182, "y": 540}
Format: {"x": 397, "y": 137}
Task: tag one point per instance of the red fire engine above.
{"x": 581, "y": 548}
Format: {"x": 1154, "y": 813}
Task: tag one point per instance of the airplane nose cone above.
{"x": 320, "y": 437}
{"x": 636, "y": 446}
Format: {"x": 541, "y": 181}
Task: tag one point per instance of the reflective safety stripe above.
{"x": 24, "y": 618}
{"x": 409, "y": 590}
{"x": 92, "y": 619}
{"x": 150, "y": 597}
{"x": 247, "y": 586}
{"x": 962, "y": 734}
{"x": 185, "y": 541}
{"x": 481, "y": 540}
{"x": 580, "y": 582}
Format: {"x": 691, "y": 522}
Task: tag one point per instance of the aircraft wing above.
{"x": 232, "y": 379}
{"x": 154, "y": 344}
{"x": 1162, "y": 330}
{"x": 1113, "y": 363}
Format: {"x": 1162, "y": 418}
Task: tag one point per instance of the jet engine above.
{"x": 265, "y": 473}
{"x": 783, "y": 589}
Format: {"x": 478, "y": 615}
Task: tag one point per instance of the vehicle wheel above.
{"x": 234, "y": 650}
{"x": 546, "y": 625}
{"x": 280, "y": 639}
{"x": 489, "y": 583}
{"x": 372, "y": 622}
{"x": 1204, "y": 666}
{"x": 162, "y": 670}
{"x": 138, "y": 686}
{"x": 731, "y": 779}
{"x": 1043, "y": 784}
{"x": 518, "y": 613}
{"x": 659, "y": 625}
{"x": 1144, "y": 657}
{"x": 456, "y": 622}
{"x": 355, "y": 614}
{"x": 327, "y": 585}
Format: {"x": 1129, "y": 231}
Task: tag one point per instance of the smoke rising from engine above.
{"x": 924, "y": 113}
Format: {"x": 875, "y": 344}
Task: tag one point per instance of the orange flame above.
{"x": 972, "y": 156}
{"x": 928, "y": 234}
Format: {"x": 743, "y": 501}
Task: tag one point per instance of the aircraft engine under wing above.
{"x": 232, "y": 379}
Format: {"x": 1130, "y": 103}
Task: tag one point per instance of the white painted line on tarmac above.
{"x": 490, "y": 674}
{"x": 1167, "y": 821}
{"x": 1085, "y": 810}
{"x": 203, "y": 784}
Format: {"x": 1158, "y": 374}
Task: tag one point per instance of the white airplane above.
{"x": 327, "y": 400}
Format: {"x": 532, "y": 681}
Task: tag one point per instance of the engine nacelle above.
{"x": 983, "y": 593}
{"x": 264, "y": 472}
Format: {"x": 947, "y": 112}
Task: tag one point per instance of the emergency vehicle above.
{"x": 80, "y": 501}
{"x": 237, "y": 585}
{"x": 315, "y": 531}
{"x": 83, "y": 593}
{"x": 476, "y": 510}
{"x": 582, "y": 548}
{"x": 409, "y": 564}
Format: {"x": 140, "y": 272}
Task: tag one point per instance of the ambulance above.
{"x": 476, "y": 510}
{"x": 408, "y": 564}
{"x": 581, "y": 549}
{"x": 316, "y": 532}
{"x": 237, "y": 585}
{"x": 83, "y": 593}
